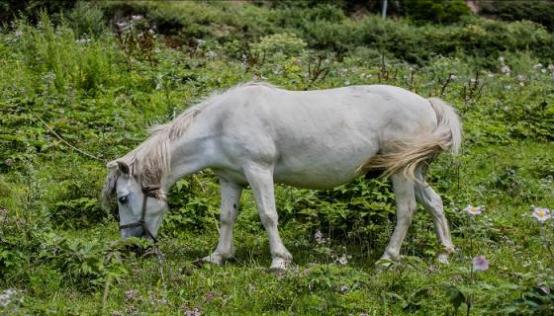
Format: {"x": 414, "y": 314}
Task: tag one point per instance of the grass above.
{"x": 100, "y": 91}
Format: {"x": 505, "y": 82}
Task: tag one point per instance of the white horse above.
{"x": 257, "y": 134}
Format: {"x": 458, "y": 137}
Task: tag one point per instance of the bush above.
{"x": 87, "y": 19}
{"x": 11, "y": 10}
{"x": 541, "y": 12}
{"x": 445, "y": 11}
{"x": 284, "y": 44}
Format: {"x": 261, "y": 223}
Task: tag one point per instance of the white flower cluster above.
{"x": 6, "y": 296}
{"x": 318, "y": 237}
{"x": 505, "y": 69}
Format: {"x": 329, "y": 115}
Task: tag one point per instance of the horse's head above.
{"x": 140, "y": 207}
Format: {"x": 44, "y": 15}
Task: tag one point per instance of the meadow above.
{"x": 81, "y": 87}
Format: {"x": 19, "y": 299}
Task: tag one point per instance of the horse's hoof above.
{"x": 279, "y": 265}
{"x": 383, "y": 264}
{"x": 443, "y": 258}
{"x": 212, "y": 259}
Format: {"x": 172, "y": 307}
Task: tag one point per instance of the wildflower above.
{"x": 130, "y": 295}
{"x": 501, "y": 59}
{"x": 6, "y": 297}
{"x": 18, "y": 33}
{"x": 505, "y": 70}
{"x": 541, "y": 214}
{"x": 200, "y": 42}
{"x": 474, "y": 210}
{"x": 480, "y": 263}
{"x": 136, "y": 17}
{"x": 318, "y": 237}
{"x": 342, "y": 260}
{"x": 122, "y": 25}
{"x": 83, "y": 41}
{"x": 537, "y": 66}
{"x": 211, "y": 54}
{"x": 551, "y": 67}
{"x": 521, "y": 78}
{"x": 192, "y": 312}
{"x": 543, "y": 71}
{"x": 344, "y": 288}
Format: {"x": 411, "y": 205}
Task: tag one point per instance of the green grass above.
{"x": 100, "y": 91}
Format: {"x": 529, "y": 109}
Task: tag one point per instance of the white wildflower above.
{"x": 131, "y": 295}
{"x": 474, "y": 210}
{"x": 318, "y": 237}
{"x": 193, "y": 312}
{"x": 342, "y": 260}
{"x": 122, "y": 25}
{"x": 541, "y": 214}
{"x": 505, "y": 70}
{"x": 211, "y": 54}
{"x": 6, "y": 296}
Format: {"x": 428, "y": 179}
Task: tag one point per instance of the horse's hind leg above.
{"x": 405, "y": 207}
{"x": 433, "y": 204}
{"x": 230, "y": 196}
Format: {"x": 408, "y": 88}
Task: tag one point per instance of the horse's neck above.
{"x": 187, "y": 156}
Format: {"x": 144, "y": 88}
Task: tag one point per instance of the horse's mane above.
{"x": 150, "y": 161}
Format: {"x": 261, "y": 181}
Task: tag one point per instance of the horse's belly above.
{"x": 323, "y": 169}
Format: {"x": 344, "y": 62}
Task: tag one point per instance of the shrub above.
{"x": 541, "y": 12}
{"x": 445, "y": 11}
{"x": 87, "y": 19}
{"x": 283, "y": 44}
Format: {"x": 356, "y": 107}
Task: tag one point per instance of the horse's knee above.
{"x": 227, "y": 218}
{"x": 269, "y": 219}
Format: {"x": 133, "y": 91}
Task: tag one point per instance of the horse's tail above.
{"x": 408, "y": 154}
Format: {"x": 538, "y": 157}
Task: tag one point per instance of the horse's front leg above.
{"x": 230, "y": 197}
{"x": 260, "y": 179}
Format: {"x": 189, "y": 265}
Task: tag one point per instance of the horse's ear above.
{"x": 123, "y": 167}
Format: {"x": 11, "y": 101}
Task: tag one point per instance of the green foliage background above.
{"x": 98, "y": 74}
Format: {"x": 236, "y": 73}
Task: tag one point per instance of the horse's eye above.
{"x": 122, "y": 199}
